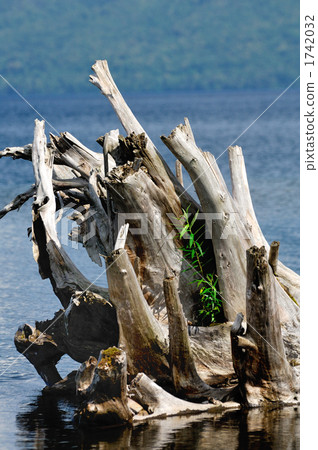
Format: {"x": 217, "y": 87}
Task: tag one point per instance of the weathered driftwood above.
{"x": 161, "y": 195}
{"x": 130, "y": 182}
{"x": 70, "y": 332}
{"x": 241, "y": 193}
{"x": 105, "y": 400}
{"x": 41, "y": 350}
{"x": 273, "y": 256}
{"x": 71, "y": 152}
{"x": 156, "y": 166}
{"x": 141, "y": 336}
{"x": 84, "y": 375}
{"x": 66, "y": 279}
{"x": 151, "y": 238}
{"x": 159, "y": 403}
{"x": 102, "y": 387}
{"x": 264, "y": 374}
{"x": 17, "y": 152}
{"x": 18, "y": 201}
{"x": 185, "y": 377}
{"x": 232, "y": 233}
{"x": 53, "y": 261}
{"x": 230, "y": 238}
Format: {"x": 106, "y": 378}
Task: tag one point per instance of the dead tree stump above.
{"x": 106, "y": 396}
{"x": 264, "y": 374}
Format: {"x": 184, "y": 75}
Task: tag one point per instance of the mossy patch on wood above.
{"x": 109, "y": 356}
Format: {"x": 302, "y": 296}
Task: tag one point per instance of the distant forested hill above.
{"x": 49, "y": 46}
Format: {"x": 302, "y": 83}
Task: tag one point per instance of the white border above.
{"x": 309, "y": 241}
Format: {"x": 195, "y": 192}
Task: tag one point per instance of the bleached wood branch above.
{"x": 17, "y": 152}
{"x": 159, "y": 403}
{"x": 53, "y": 261}
{"x": 18, "y": 201}
{"x": 152, "y": 159}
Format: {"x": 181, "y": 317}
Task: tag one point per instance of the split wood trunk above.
{"x": 264, "y": 374}
{"x": 140, "y": 333}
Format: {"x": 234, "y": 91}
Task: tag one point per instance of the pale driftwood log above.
{"x": 159, "y": 403}
{"x": 230, "y": 238}
{"x": 242, "y": 197}
{"x": 264, "y": 374}
{"x": 287, "y": 287}
{"x": 104, "y": 81}
{"x": 110, "y": 145}
{"x": 65, "y": 278}
{"x": 140, "y": 333}
{"x": 53, "y": 261}
{"x": 185, "y": 377}
{"x": 241, "y": 193}
{"x": 106, "y": 397}
{"x": 214, "y": 168}
{"x": 163, "y": 192}
{"x": 17, "y": 152}
{"x": 156, "y": 166}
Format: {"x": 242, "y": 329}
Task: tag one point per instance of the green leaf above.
{"x": 200, "y": 249}
{"x": 194, "y": 219}
{"x": 184, "y": 229}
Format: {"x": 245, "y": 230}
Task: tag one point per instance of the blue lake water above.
{"x": 271, "y": 149}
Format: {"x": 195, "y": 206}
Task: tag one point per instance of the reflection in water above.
{"x": 48, "y": 424}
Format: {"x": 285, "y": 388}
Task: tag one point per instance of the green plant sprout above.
{"x": 210, "y": 302}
